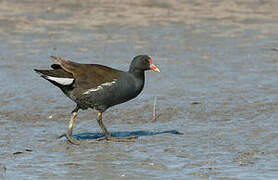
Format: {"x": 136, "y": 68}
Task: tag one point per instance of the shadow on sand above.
{"x": 91, "y": 136}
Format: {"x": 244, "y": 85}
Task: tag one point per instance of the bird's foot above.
{"x": 70, "y": 139}
{"x": 121, "y": 139}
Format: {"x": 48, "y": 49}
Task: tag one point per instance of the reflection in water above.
{"x": 90, "y": 136}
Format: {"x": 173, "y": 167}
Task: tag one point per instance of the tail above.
{"x": 58, "y": 77}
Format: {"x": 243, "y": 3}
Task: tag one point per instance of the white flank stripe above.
{"x": 62, "y": 81}
{"x": 100, "y": 86}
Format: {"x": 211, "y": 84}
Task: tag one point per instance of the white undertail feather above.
{"x": 59, "y": 80}
{"x": 100, "y": 86}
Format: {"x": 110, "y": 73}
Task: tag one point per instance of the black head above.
{"x": 142, "y": 63}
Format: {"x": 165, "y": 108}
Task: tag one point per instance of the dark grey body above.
{"x": 126, "y": 87}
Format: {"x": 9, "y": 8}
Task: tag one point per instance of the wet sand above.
{"x": 217, "y": 93}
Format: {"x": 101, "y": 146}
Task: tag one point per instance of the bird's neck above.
{"x": 140, "y": 74}
{"x": 138, "y": 81}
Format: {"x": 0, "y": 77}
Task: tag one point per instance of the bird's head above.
{"x": 143, "y": 63}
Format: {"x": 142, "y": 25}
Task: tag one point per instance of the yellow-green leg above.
{"x": 107, "y": 135}
{"x": 103, "y": 128}
{"x": 69, "y": 132}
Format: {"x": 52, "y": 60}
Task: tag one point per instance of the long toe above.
{"x": 123, "y": 139}
{"x": 72, "y": 140}
{"x": 101, "y": 139}
{"x": 62, "y": 135}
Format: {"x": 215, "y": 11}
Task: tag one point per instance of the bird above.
{"x": 97, "y": 87}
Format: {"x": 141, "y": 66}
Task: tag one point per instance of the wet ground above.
{"x": 217, "y": 93}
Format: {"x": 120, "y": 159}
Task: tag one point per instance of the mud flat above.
{"x": 218, "y": 86}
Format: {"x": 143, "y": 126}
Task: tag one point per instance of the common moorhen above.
{"x": 98, "y": 87}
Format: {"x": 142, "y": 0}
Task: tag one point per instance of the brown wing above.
{"x": 88, "y": 75}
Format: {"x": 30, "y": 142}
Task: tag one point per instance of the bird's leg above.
{"x": 105, "y": 131}
{"x": 71, "y": 122}
{"x": 107, "y": 135}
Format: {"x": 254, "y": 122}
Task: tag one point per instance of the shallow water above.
{"x": 218, "y": 87}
